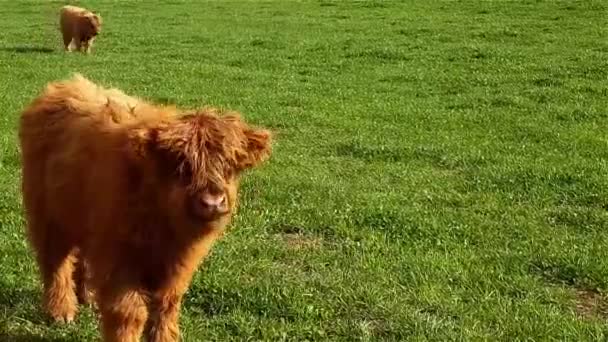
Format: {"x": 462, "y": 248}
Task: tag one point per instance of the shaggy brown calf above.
{"x": 79, "y": 25}
{"x": 133, "y": 193}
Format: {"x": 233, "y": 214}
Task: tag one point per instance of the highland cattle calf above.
{"x": 126, "y": 198}
{"x": 79, "y": 26}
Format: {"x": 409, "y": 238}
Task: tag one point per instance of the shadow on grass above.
{"x": 26, "y": 49}
{"x": 13, "y": 300}
{"x": 18, "y": 337}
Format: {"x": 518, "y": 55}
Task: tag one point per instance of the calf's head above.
{"x": 90, "y": 25}
{"x": 191, "y": 166}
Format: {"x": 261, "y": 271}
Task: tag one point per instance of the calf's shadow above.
{"x": 26, "y": 49}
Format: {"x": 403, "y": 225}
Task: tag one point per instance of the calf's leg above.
{"x": 164, "y": 321}
{"x": 123, "y": 314}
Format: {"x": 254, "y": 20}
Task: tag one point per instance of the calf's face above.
{"x": 90, "y": 25}
{"x": 195, "y": 166}
{"x": 190, "y": 204}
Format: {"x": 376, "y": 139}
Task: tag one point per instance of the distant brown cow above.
{"x": 79, "y": 25}
{"x": 136, "y": 192}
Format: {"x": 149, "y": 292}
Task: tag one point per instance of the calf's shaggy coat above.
{"x": 80, "y": 26}
{"x": 126, "y": 198}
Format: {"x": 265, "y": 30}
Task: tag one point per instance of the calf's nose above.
{"x": 208, "y": 206}
{"x": 214, "y": 202}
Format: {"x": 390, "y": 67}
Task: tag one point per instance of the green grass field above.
{"x": 440, "y": 169}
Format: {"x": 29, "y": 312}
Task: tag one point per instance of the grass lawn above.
{"x": 440, "y": 169}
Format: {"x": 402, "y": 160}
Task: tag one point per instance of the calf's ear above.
{"x": 257, "y": 147}
{"x": 161, "y": 137}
